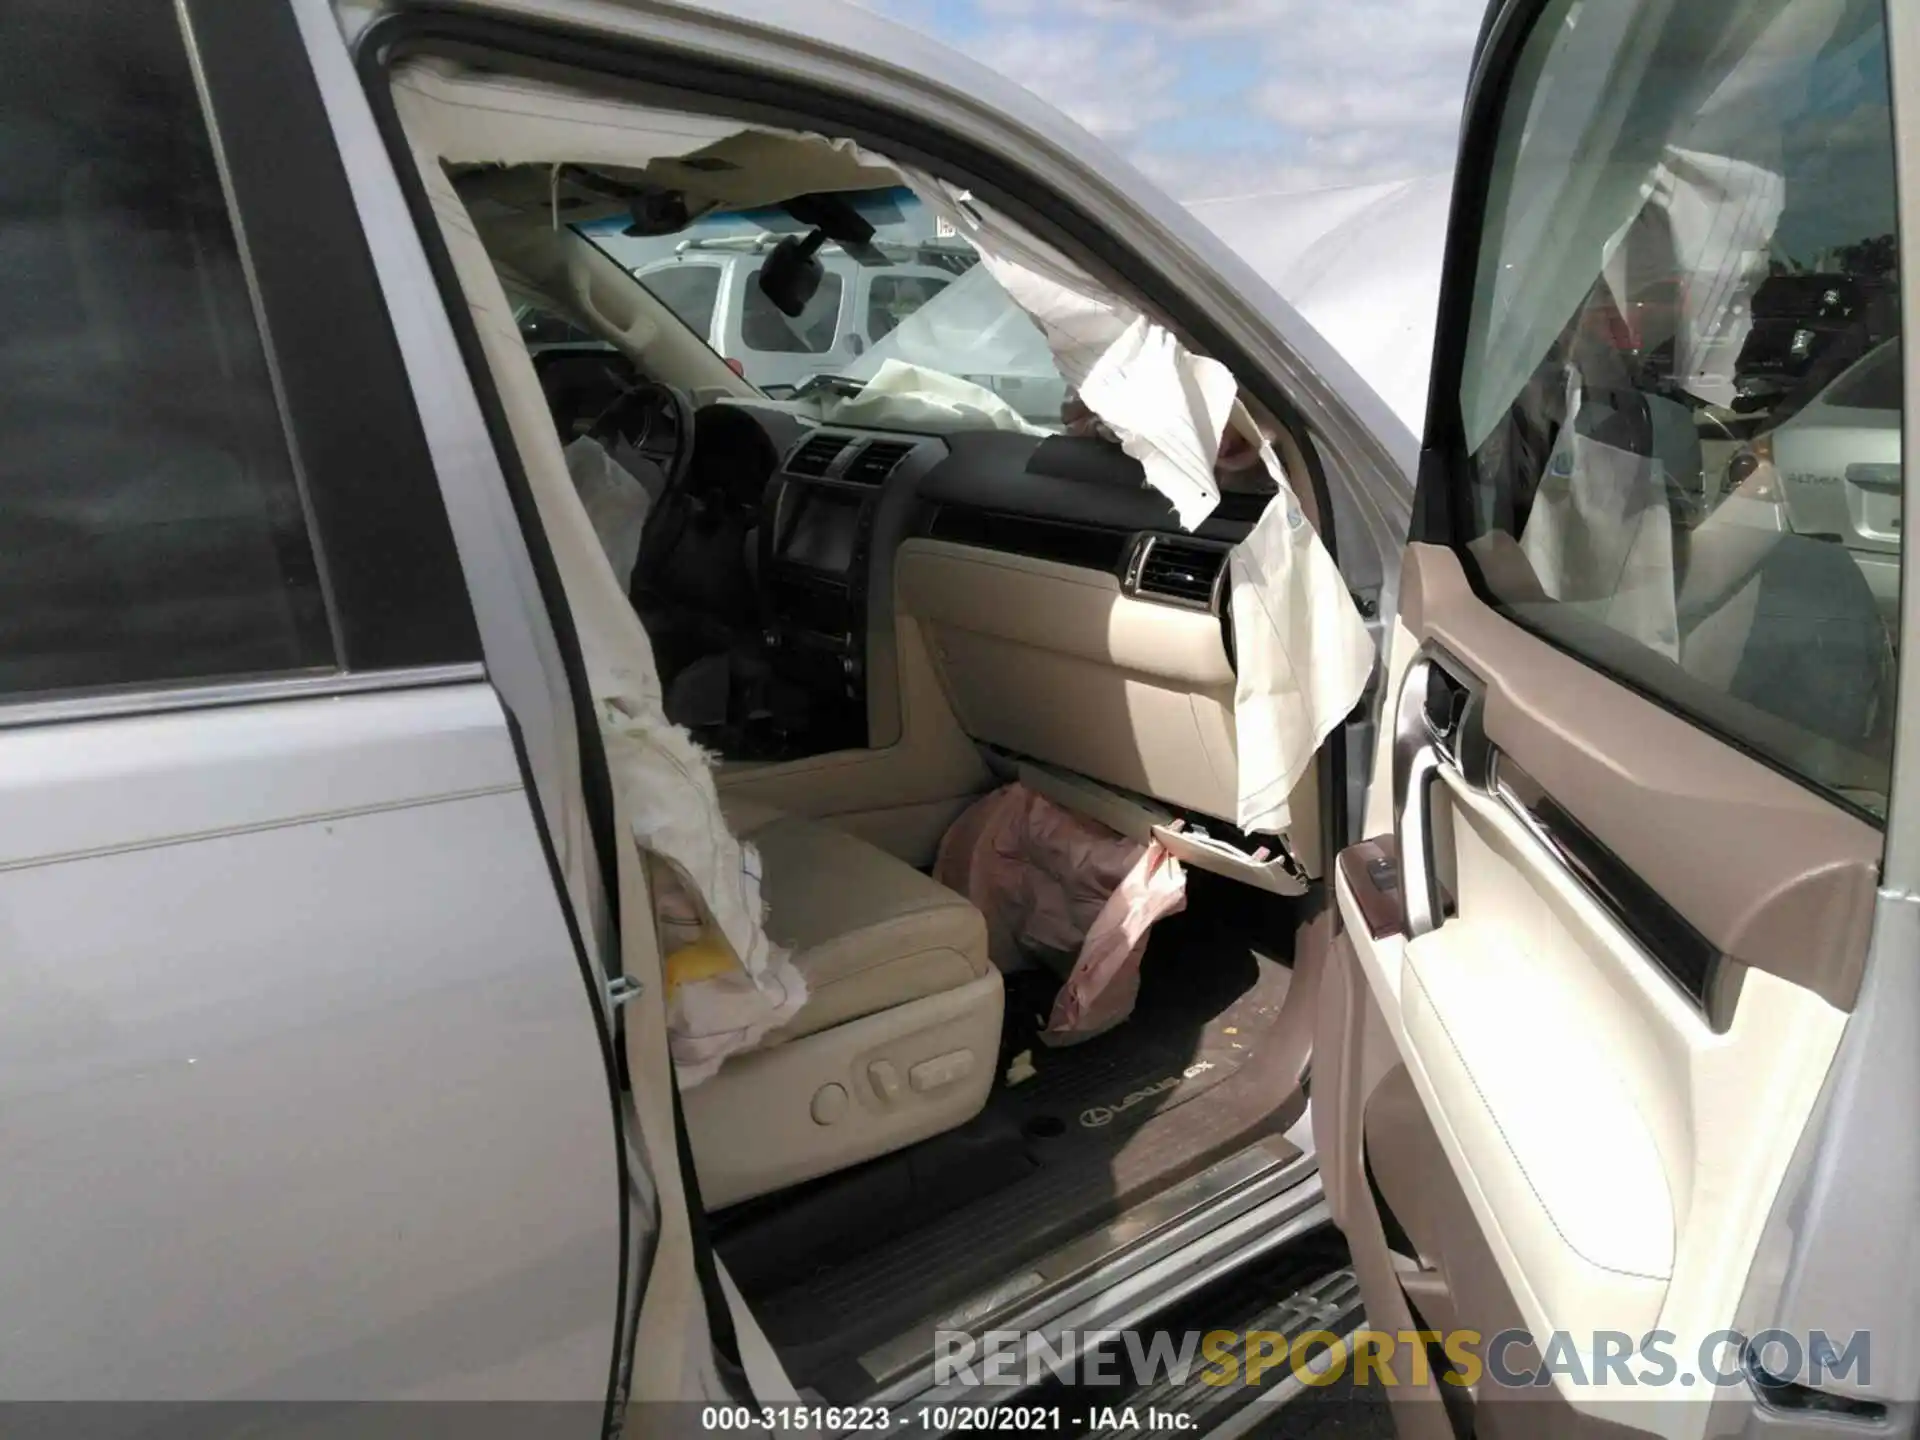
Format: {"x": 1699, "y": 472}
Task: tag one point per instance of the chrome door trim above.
{"x": 114, "y": 705}
{"x": 1125, "y": 1304}
{"x": 1692, "y": 964}
{"x": 1417, "y": 759}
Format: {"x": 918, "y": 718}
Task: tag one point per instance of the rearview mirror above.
{"x": 792, "y": 273}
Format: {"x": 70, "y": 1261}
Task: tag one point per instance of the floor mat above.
{"x": 1097, "y": 1127}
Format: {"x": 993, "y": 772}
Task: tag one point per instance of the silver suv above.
{"x": 374, "y": 952}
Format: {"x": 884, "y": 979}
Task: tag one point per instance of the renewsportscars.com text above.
{"x": 1509, "y": 1358}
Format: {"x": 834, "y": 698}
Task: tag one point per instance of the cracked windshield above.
{"x": 906, "y": 331}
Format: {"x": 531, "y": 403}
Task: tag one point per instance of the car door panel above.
{"x": 1613, "y": 1043}
{"x": 272, "y": 968}
{"x": 1791, "y": 889}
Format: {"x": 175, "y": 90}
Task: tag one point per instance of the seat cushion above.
{"x": 866, "y": 929}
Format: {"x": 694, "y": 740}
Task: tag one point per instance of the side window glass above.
{"x": 811, "y": 332}
{"x": 1681, "y": 396}
{"x": 153, "y": 529}
{"x": 690, "y": 291}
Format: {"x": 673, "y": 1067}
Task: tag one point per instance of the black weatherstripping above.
{"x": 1441, "y": 500}
{"x": 398, "y": 592}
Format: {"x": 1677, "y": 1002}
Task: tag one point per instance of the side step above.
{"x": 1286, "y": 1296}
{"x": 1331, "y": 1304}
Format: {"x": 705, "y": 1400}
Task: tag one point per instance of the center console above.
{"x": 818, "y": 528}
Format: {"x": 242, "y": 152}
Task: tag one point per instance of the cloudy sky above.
{"x": 1223, "y": 97}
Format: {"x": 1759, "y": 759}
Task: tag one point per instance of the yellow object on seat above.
{"x": 702, "y": 960}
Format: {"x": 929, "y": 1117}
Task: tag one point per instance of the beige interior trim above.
{"x": 1458, "y": 1285}
{"x": 1618, "y": 1156}
{"x": 756, "y": 1127}
{"x": 901, "y": 798}
{"x": 1054, "y": 662}
{"x": 1066, "y": 609}
{"x": 1772, "y": 874}
{"x": 1351, "y": 1055}
{"x": 1402, "y": 644}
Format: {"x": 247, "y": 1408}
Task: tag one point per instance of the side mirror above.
{"x": 791, "y": 275}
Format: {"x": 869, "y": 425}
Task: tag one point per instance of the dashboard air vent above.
{"x": 815, "y": 454}
{"x": 1178, "y": 571}
{"x": 877, "y": 461}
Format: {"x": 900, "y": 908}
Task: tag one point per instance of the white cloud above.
{"x": 1118, "y": 86}
{"x": 1372, "y": 89}
{"x": 1350, "y": 92}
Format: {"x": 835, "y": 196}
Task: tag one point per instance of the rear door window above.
{"x": 154, "y": 529}
{"x": 893, "y": 298}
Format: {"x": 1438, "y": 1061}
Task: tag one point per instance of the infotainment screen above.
{"x": 821, "y": 533}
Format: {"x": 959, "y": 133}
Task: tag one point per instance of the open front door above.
{"x": 1629, "y": 803}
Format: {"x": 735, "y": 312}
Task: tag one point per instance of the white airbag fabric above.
{"x": 615, "y": 501}
{"x": 904, "y": 396}
{"x": 1166, "y": 405}
{"x": 1600, "y": 534}
{"x": 663, "y": 781}
{"x": 1303, "y": 653}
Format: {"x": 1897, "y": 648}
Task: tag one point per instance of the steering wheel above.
{"x": 657, "y": 420}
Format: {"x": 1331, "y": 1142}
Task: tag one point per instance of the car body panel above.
{"x": 293, "y": 1023}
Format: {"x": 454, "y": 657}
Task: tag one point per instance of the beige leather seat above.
{"x": 898, "y": 1038}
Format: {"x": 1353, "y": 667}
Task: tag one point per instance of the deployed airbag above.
{"x": 1304, "y": 654}
{"x": 663, "y": 782}
{"x": 1062, "y": 889}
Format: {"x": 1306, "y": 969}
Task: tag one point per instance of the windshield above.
{"x": 910, "y": 333}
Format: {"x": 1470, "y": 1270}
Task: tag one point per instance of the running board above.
{"x": 1180, "y": 1232}
{"x": 1330, "y": 1304}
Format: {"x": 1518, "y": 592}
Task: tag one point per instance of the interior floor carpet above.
{"x": 836, "y": 1268}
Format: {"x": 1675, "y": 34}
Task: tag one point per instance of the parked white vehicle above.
{"x": 923, "y": 305}
{"x": 1838, "y": 463}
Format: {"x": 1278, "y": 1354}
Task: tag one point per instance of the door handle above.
{"x": 1438, "y": 724}
{"x": 1416, "y": 761}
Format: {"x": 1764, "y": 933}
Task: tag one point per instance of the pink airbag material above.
{"x": 1105, "y": 982}
{"x": 1066, "y": 890}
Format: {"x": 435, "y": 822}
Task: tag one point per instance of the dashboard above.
{"x": 845, "y": 509}
{"x": 1064, "y": 612}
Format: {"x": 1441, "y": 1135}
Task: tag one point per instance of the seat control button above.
{"x": 941, "y": 1070}
{"x": 829, "y": 1104}
{"x": 886, "y": 1079}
